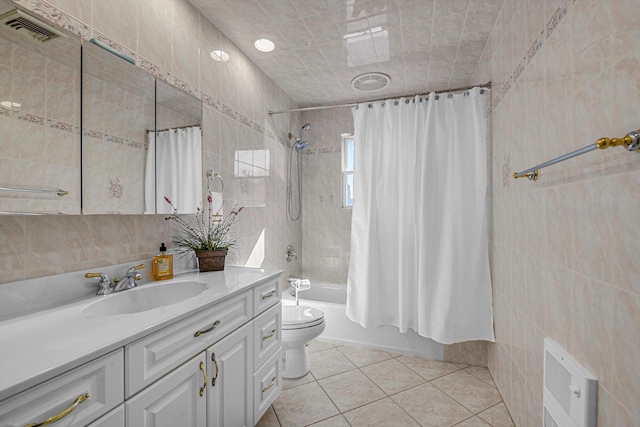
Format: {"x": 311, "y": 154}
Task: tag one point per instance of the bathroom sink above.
{"x": 143, "y": 298}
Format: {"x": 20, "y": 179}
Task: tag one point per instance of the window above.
{"x": 348, "y": 152}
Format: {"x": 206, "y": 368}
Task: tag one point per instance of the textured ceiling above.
{"x": 321, "y": 45}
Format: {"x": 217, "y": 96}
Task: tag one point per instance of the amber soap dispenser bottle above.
{"x": 163, "y": 264}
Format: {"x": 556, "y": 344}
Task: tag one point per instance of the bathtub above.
{"x": 332, "y": 299}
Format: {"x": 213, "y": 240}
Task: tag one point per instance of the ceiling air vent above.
{"x": 370, "y": 82}
{"x": 29, "y": 26}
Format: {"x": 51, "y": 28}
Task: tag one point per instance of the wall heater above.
{"x": 570, "y": 391}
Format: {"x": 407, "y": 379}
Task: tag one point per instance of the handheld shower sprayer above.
{"x": 300, "y": 145}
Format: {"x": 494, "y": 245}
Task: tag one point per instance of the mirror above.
{"x": 39, "y": 121}
{"x": 118, "y": 106}
{"x": 177, "y": 152}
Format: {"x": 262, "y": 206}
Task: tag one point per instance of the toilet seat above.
{"x": 300, "y": 317}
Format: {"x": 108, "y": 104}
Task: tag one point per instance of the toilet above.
{"x": 300, "y": 325}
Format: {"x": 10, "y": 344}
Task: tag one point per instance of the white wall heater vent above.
{"x": 570, "y": 391}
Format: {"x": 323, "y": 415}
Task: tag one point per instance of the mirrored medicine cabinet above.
{"x": 76, "y": 125}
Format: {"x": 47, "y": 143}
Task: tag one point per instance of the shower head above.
{"x": 299, "y": 146}
{"x": 304, "y": 128}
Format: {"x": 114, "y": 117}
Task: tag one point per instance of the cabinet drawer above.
{"x": 267, "y": 384}
{"x": 267, "y": 335}
{"x": 266, "y": 295}
{"x": 151, "y": 357}
{"x": 114, "y": 418}
{"x": 102, "y": 379}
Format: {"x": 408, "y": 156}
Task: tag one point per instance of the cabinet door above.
{"x": 230, "y": 388}
{"x": 178, "y": 399}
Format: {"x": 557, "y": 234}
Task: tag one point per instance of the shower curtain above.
{"x": 419, "y": 236}
{"x": 174, "y": 170}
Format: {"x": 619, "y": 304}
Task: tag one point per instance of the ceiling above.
{"x": 321, "y": 45}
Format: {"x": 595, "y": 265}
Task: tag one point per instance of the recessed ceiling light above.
{"x": 264, "y": 45}
{"x": 219, "y": 55}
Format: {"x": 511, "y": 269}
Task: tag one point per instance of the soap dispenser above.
{"x": 163, "y": 264}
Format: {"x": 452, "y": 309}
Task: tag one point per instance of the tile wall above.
{"x": 563, "y": 249}
{"x": 41, "y": 124}
{"x": 172, "y": 40}
{"x": 326, "y": 225}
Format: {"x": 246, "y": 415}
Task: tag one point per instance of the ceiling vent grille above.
{"x": 370, "y": 82}
{"x": 570, "y": 391}
{"x": 29, "y": 26}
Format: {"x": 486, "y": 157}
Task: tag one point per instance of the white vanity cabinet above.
{"x": 219, "y": 366}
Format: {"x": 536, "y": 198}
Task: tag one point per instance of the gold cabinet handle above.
{"x": 269, "y": 294}
{"x": 215, "y": 324}
{"x": 62, "y": 414}
{"x": 215, "y": 363}
{"x": 273, "y": 382}
{"x": 273, "y": 332}
{"x": 204, "y": 372}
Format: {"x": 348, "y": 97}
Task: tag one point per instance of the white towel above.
{"x": 216, "y": 206}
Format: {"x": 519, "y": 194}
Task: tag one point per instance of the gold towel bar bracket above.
{"x": 631, "y": 142}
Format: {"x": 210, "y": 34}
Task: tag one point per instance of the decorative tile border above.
{"x": 31, "y": 118}
{"x": 142, "y": 145}
{"x": 39, "y": 120}
{"x": 321, "y": 150}
{"x": 51, "y": 13}
{"x": 535, "y": 47}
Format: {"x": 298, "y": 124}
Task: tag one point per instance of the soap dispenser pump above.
{"x": 163, "y": 264}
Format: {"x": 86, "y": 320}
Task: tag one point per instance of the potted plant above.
{"x": 209, "y": 238}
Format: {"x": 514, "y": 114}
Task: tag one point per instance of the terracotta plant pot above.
{"x": 211, "y": 260}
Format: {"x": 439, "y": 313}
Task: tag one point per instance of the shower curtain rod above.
{"x": 175, "y": 128}
{"x": 353, "y": 104}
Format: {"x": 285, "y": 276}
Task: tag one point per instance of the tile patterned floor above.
{"x": 354, "y": 386}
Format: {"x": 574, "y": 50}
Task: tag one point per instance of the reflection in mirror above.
{"x": 176, "y": 153}
{"x": 39, "y": 121}
{"x": 118, "y": 103}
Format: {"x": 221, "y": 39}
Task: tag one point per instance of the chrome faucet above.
{"x": 129, "y": 280}
{"x": 107, "y": 286}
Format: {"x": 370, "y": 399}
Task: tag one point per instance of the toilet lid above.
{"x": 300, "y": 315}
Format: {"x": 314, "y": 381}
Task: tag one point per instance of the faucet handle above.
{"x": 104, "y": 282}
{"x": 137, "y": 267}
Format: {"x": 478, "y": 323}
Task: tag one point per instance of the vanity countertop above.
{"x": 38, "y": 346}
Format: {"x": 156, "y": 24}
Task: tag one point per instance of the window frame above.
{"x": 346, "y": 173}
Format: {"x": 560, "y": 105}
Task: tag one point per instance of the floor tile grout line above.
{"x": 492, "y": 383}
{"x": 385, "y": 394}
{"x": 274, "y": 413}
{"x": 497, "y": 404}
{"x": 461, "y": 404}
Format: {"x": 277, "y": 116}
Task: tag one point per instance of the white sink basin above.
{"x": 143, "y": 298}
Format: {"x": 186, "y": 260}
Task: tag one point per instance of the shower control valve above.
{"x": 291, "y": 254}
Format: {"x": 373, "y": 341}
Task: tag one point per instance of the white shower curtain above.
{"x": 174, "y": 170}
{"x": 419, "y": 243}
